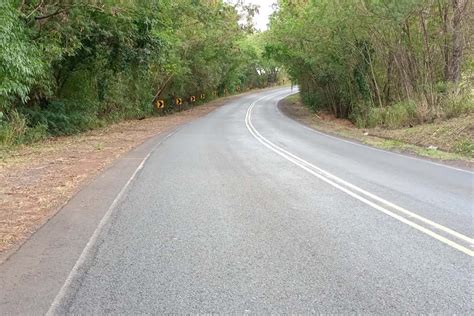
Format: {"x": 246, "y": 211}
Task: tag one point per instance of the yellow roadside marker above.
{"x": 159, "y": 104}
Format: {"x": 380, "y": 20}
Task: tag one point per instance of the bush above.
{"x": 364, "y": 114}
{"x": 34, "y": 134}
{"x": 401, "y": 114}
{"x": 12, "y": 129}
{"x": 465, "y": 147}
{"x": 454, "y": 104}
{"x": 375, "y": 117}
{"x": 62, "y": 118}
{"x": 313, "y": 100}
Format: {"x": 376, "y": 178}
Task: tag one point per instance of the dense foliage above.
{"x": 378, "y": 62}
{"x": 71, "y": 65}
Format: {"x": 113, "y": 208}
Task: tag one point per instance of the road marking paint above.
{"x": 373, "y": 196}
{"x": 55, "y": 305}
{"x": 338, "y": 183}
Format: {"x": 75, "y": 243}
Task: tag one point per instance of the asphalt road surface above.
{"x": 247, "y": 211}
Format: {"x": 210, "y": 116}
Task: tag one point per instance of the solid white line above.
{"x": 360, "y": 190}
{"x": 53, "y": 309}
{"x": 328, "y": 176}
{"x": 374, "y": 148}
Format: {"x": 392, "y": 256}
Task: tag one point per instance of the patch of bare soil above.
{"x": 328, "y": 117}
{"x": 35, "y": 181}
{"x": 450, "y": 140}
{"x": 324, "y": 122}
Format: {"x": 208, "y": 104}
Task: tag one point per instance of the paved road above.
{"x": 247, "y": 211}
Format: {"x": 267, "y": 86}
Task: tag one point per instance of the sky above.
{"x": 265, "y": 11}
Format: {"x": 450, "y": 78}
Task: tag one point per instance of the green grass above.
{"x": 465, "y": 147}
{"x": 294, "y": 98}
{"x": 399, "y": 146}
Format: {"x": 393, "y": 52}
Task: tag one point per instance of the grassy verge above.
{"x": 450, "y": 141}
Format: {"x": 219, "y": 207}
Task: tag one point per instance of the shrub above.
{"x": 12, "y": 129}
{"x": 358, "y": 116}
{"x": 398, "y": 115}
{"x": 62, "y": 118}
{"x": 454, "y": 104}
{"x": 465, "y": 147}
{"x": 313, "y": 100}
{"x": 375, "y": 117}
{"x": 401, "y": 114}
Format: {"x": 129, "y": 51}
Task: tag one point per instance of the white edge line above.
{"x": 93, "y": 239}
{"x": 372, "y": 147}
{"x": 358, "y": 189}
{"x": 274, "y": 148}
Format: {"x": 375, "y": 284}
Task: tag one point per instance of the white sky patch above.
{"x": 262, "y": 19}
{"x": 265, "y": 10}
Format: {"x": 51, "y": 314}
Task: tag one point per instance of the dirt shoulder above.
{"x": 37, "y": 180}
{"x": 449, "y": 141}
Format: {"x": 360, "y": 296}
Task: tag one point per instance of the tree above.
{"x": 69, "y": 65}
{"x": 377, "y": 62}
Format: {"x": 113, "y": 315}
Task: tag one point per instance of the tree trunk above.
{"x": 428, "y": 62}
{"x": 444, "y": 13}
{"x": 459, "y": 9}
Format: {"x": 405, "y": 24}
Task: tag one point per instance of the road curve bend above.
{"x": 247, "y": 211}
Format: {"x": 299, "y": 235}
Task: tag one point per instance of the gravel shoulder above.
{"x": 449, "y": 142}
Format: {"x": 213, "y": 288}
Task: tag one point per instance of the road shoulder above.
{"x": 38, "y": 180}
{"x": 377, "y": 138}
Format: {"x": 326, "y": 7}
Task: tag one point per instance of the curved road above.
{"x": 247, "y": 211}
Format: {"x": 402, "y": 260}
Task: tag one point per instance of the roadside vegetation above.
{"x": 69, "y": 66}
{"x": 448, "y": 140}
{"x": 386, "y": 63}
